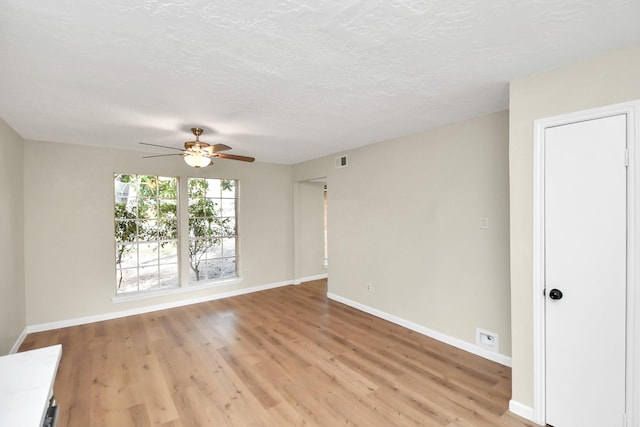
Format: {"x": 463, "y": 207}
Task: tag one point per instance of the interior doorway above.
{"x": 311, "y": 234}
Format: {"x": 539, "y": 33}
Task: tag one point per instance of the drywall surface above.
{"x": 69, "y": 241}
{"x": 12, "y": 290}
{"x": 602, "y": 80}
{"x": 405, "y": 217}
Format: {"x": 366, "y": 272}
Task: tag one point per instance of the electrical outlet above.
{"x": 369, "y": 287}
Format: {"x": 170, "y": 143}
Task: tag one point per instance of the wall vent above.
{"x": 341, "y": 162}
{"x": 488, "y": 340}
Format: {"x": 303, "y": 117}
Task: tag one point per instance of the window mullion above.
{"x": 183, "y": 232}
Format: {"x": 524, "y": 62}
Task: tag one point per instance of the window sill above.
{"x": 153, "y": 293}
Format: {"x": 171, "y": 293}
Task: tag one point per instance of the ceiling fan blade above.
{"x": 162, "y": 146}
{"x": 220, "y": 147}
{"x": 233, "y": 157}
{"x": 162, "y": 155}
{"x": 211, "y": 149}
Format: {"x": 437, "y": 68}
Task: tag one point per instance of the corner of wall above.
{"x": 12, "y": 287}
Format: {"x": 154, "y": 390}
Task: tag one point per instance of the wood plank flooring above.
{"x": 282, "y": 357}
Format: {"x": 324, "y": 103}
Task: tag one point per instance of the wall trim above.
{"x": 521, "y": 410}
{"x": 148, "y": 309}
{"x": 463, "y": 345}
{"x": 310, "y": 278}
{"x": 18, "y": 342}
{"x": 632, "y": 110}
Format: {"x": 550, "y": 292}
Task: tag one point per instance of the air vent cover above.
{"x": 341, "y": 162}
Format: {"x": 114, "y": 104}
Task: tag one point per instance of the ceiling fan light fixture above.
{"x": 197, "y": 160}
{"x": 198, "y": 154}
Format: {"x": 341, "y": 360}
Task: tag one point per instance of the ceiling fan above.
{"x": 200, "y": 154}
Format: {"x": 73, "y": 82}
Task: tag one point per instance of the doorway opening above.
{"x": 311, "y": 230}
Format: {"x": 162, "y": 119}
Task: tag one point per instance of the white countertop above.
{"x": 26, "y": 381}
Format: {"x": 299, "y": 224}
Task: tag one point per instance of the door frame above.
{"x": 632, "y": 110}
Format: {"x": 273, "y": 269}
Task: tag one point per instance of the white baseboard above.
{"x": 147, "y": 309}
{"x": 463, "y": 345}
{"x": 310, "y": 278}
{"x": 19, "y": 341}
{"x": 522, "y": 410}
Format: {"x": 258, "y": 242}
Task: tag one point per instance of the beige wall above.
{"x": 602, "y": 80}
{"x": 405, "y": 217}
{"x": 12, "y": 289}
{"x": 68, "y": 195}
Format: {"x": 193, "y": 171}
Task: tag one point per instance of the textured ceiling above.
{"x": 284, "y": 81}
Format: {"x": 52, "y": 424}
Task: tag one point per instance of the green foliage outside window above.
{"x": 146, "y": 230}
{"x": 212, "y": 228}
{"x": 146, "y": 224}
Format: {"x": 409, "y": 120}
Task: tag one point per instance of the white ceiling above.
{"x": 284, "y": 81}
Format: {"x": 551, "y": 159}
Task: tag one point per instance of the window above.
{"x": 212, "y": 229}
{"x": 146, "y": 225}
{"x": 147, "y": 249}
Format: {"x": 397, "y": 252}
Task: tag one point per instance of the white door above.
{"x": 585, "y": 272}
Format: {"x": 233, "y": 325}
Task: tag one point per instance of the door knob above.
{"x": 555, "y": 294}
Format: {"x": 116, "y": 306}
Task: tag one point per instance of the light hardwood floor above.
{"x": 282, "y": 357}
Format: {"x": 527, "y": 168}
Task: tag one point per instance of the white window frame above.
{"x": 220, "y": 200}
{"x": 184, "y": 284}
{"x": 140, "y": 241}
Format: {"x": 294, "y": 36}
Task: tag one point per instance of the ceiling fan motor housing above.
{"x": 189, "y": 145}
